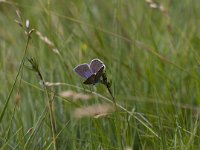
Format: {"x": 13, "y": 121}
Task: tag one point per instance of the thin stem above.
{"x": 15, "y": 81}
{"x": 52, "y": 120}
{"x": 111, "y": 94}
{"x": 34, "y": 129}
{"x": 9, "y": 127}
{"x": 53, "y": 126}
{"x": 108, "y": 85}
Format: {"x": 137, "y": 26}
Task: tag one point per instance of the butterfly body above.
{"x": 92, "y": 73}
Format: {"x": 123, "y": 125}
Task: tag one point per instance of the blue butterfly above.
{"x": 92, "y": 73}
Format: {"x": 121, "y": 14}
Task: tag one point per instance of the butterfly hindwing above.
{"x": 90, "y": 80}
{"x": 99, "y": 74}
{"x": 95, "y": 78}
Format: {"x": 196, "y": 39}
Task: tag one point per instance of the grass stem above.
{"x": 15, "y": 81}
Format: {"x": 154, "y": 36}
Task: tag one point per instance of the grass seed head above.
{"x": 93, "y": 111}
{"x": 75, "y": 96}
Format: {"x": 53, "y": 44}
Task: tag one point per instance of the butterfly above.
{"x": 92, "y": 73}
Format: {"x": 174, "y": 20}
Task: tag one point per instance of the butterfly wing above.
{"x": 95, "y": 78}
{"x": 96, "y": 65}
{"x": 92, "y": 73}
{"x": 99, "y": 74}
{"x": 83, "y": 70}
{"x": 90, "y": 80}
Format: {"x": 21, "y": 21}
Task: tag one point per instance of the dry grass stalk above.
{"x": 74, "y": 95}
{"x": 49, "y": 84}
{"x": 48, "y": 42}
{"x": 95, "y": 111}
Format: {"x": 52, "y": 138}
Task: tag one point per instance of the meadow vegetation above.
{"x": 151, "y": 53}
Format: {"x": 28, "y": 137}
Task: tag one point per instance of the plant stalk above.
{"x": 15, "y": 81}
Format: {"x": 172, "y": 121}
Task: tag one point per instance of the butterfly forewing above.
{"x": 96, "y": 65}
{"x": 83, "y": 70}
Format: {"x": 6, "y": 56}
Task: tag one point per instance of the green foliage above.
{"x": 152, "y": 58}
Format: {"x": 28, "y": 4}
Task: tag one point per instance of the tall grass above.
{"x": 151, "y": 56}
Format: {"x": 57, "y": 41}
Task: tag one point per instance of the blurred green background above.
{"x": 151, "y": 55}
